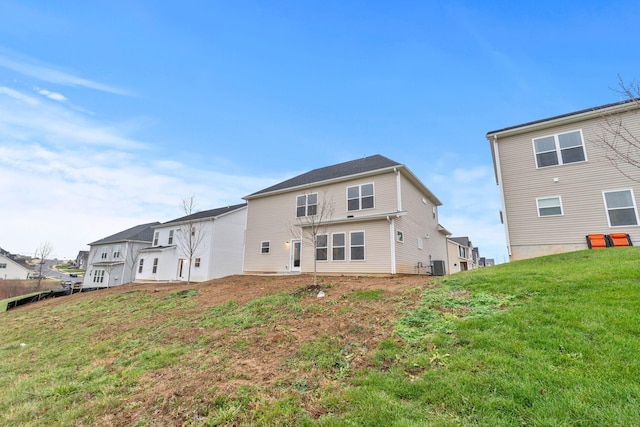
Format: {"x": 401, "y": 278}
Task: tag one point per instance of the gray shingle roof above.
{"x": 211, "y": 213}
{"x": 575, "y": 113}
{"x": 464, "y": 241}
{"x": 140, "y": 233}
{"x": 353, "y": 167}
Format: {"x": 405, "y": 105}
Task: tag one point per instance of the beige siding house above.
{"x": 558, "y": 185}
{"x": 370, "y": 216}
{"x": 461, "y": 255}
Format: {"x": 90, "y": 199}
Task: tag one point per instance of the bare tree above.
{"x": 620, "y": 142}
{"x": 42, "y": 252}
{"x": 131, "y": 261}
{"x": 191, "y": 234}
{"x": 312, "y": 223}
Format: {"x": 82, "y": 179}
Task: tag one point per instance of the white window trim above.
{"x": 306, "y": 204}
{"x": 399, "y": 236}
{"x": 268, "y": 247}
{"x": 558, "y": 150}
{"x": 364, "y": 245}
{"x": 606, "y": 208}
{"x": 327, "y": 247}
{"x": 549, "y": 197}
{"x": 360, "y": 208}
{"x": 344, "y": 247}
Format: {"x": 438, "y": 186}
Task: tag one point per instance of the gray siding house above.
{"x": 112, "y": 260}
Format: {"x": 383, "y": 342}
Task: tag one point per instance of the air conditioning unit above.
{"x": 437, "y": 268}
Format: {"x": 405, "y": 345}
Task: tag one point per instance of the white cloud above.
{"x": 44, "y": 72}
{"x": 52, "y": 95}
{"x": 23, "y": 117}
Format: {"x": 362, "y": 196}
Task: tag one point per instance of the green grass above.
{"x": 548, "y": 341}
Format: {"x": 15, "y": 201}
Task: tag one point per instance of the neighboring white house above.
{"x": 211, "y": 242}
{"x": 13, "y": 268}
{"x": 112, "y": 261}
{"x": 558, "y": 182}
{"x": 371, "y": 215}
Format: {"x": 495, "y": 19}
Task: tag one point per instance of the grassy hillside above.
{"x": 549, "y": 341}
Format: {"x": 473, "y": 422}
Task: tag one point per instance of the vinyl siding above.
{"x": 273, "y": 219}
{"x": 227, "y": 246}
{"x": 418, "y": 223}
{"x": 580, "y": 185}
{"x": 13, "y": 270}
{"x": 270, "y": 218}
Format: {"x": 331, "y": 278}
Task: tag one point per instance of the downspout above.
{"x": 392, "y": 243}
{"x": 502, "y": 199}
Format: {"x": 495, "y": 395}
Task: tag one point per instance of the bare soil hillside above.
{"x": 354, "y": 315}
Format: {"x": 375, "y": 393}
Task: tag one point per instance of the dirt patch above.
{"x": 272, "y": 359}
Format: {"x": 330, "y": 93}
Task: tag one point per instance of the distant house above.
{"x": 371, "y": 216}
{"x": 462, "y": 255}
{"x": 112, "y": 260}
{"x": 486, "y": 262}
{"x": 13, "y": 267}
{"x": 558, "y": 184}
{"x": 217, "y": 248}
{"x": 81, "y": 260}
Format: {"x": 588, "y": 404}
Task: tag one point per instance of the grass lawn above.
{"x": 552, "y": 341}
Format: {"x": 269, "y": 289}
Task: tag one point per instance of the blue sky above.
{"x": 112, "y": 112}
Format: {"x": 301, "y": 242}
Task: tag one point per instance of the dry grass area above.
{"x": 13, "y": 288}
{"x": 355, "y": 314}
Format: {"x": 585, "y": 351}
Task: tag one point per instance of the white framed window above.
{"x": 155, "y": 266}
{"x": 322, "y": 247}
{"x": 356, "y": 240}
{"x": 197, "y": 262}
{"x": 549, "y": 206}
{"x": 140, "y": 265}
{"x": 170, "y": 241}
{"x": 265, "y": 247}
{"x": 338, "y": 246}
{"x": 360, "y": 197}
{"x": 307, "y": 205}
{"x": 3, "y": 265}
{"x": 116, "y": 252}
{"x": 420, "y": 243}
{"x": 400, "y": 236}
{"x": 193, "y": 230}
{"x": 98, "y": 276}
{"x": 155, "y": 238}
{"x": 462, "y": 251}
{"x": 559, "y": 149}
{"x": 105, "y": 251}
{"x": 621, "y": 208}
